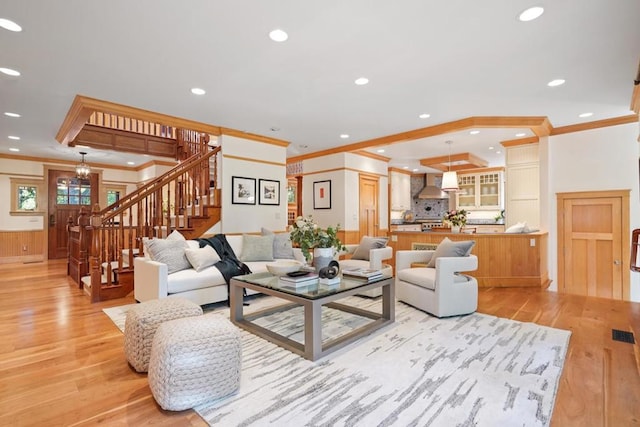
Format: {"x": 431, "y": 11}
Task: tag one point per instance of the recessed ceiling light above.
{"x": 381, "y": 151}
{"x": 415, "y": 170}
{"x": 556, "y": 82}
{"x": 303, "y": 146}
{"x": 424, "y": 116}
{"x": 131, "y": 163}
{"x": 498, "y": 152}
{"x": 84, "y": 147}
{"x": 15, "y": 138}
{"x": 491, "y": 148}
{"x": 583, "y": 115}
{"x": 9, "y": 71}
{"x": 15, "y": 150}
{"x": 405, "y": 167}
{"x": 531, "y": 14}
{"x": 474, "y": 132}
{"x": 10, "y": 25}
{"x": 362, "y": 81}
{"x": 198, "y": 91}
{"x": 275, "y": 129}
{"x": 9, "y": 114}
{"x": 519, "y": 134}
{"x": 344, "y": 135}
{"x": 278, "y": 35}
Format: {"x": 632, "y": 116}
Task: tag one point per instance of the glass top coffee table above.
{"x": 312, "y": 298}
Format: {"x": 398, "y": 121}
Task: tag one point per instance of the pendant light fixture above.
{"x": 83, "y": 170}
{"x": 450, "y": 178}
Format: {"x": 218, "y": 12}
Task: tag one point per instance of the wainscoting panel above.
{"x": 21, "y": 246}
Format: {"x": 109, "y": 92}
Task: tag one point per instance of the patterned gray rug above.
{"x": 476, "y": 370}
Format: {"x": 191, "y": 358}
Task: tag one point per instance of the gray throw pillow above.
{"x": 449, "y": 248}
{"x": 170, "y": 252}
{"x": 282, "y": 247}
{"x": 366, "y": 244}
{"x": 257, "y": 248}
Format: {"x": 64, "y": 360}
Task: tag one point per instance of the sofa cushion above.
{"x": 257, "y": 248}
{"x": 170, "y": 252}
{"x": 366, "y": 244}
{"x": 449, "y": 248}
{"x": 176, "y": 236}
{"x": 282, "y": 247}
{"x": 202, "y": 258}
{"x": 190, "y": 279}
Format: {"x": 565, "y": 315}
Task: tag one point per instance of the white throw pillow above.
{"x": 518, "y": 227}
{"x": 202, "y": 258}
{"x": 177, "y": 236}
{"x": 170, "y": 252}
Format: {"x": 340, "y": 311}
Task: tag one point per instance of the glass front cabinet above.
{"x": 481, "y": 191}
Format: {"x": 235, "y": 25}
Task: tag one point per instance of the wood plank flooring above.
{"x": 62, "y": 362}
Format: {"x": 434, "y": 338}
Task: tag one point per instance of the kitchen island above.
{"x": 504, "y": 259}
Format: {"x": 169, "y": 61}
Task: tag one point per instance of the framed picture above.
{"x": 268, "y": 192}
{"x": 243, "y": 190}
{"x": 322, "y": 195}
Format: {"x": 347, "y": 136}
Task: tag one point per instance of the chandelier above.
{"x": 450, "y": 178}
{"x": 82, "y": 169}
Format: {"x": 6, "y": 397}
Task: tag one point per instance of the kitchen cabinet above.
{"x": 406, "y": 227}
{"x": 481, "y": 191}
{"x": 400, "y": 190}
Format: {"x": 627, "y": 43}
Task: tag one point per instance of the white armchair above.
{"x": 440, "y": 291}
{"x": 376, "y": 258}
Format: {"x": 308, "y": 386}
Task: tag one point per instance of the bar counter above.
{"x": 504, "y": 259}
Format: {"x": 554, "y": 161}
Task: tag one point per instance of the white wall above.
{"x": 257, "y": 160}
{"x": 343, "y": 169}
{"x": 598, "y": 159}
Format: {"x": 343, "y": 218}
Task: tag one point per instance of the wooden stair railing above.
{"x": 181, "y": 199}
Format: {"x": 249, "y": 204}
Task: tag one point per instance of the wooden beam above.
{"x": 520, "y": 141}
{"x": 615, "y": 121}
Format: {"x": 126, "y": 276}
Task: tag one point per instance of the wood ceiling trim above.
{"x": 398, "y": 170}
{"x": 254, "y": 137}
{"x": 615, "y": 121}
{"x": 635, "y": 98}
{"x": 520, "y": 141}
{"x": 372, "y": 155}
{"x": 442, "y": 163}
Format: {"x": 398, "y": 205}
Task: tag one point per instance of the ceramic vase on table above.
{"x": 322, "y": 257}
{"x": 455, "y": 228}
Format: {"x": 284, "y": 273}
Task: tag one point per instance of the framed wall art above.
{"x": 243, "y": 190}
{"x": 268, "y": 192}
{"x": 322, "y": 194}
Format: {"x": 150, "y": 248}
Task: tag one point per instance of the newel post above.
{"x": 94, "y": 255}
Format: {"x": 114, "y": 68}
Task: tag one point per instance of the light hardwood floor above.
{"x": 62, "y": 363}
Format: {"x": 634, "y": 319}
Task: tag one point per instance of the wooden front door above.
{"x": 67, "y": 194}
{"x": 593, "y": 244}
{"x": 368, "y": 206}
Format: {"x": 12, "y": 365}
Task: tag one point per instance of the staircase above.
{"x": 184, "y": 199}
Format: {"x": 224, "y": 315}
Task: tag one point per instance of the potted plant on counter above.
{"x": 456, "y": 218}
{"x": 307, "y": 235}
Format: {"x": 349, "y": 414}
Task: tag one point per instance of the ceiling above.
{"x": 450, "y": 59}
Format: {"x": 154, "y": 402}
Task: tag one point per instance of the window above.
{"x": 113, "y": 193}
{"x": 112, "y": 196}
{"x": 27, "y": 196}
{"x": 73, "y": 191}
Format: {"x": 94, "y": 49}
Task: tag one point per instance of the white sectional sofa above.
{"x": 153, "y": 281}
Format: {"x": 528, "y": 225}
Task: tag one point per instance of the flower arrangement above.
{"x": 456, "y": 218}
{"x": 307, "y": 235}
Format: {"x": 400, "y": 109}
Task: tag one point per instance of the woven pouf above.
{"x": 194, "y": 360}
{"x": 142, "y": 322}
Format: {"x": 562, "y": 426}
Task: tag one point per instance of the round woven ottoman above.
{"x": 194, "y": 360}
{"x": 142, "y": 321}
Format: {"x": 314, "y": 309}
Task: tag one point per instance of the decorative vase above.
{"x": 455, "y": 228}
{"x": 322, "y": 257}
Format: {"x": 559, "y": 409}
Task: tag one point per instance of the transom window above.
{"x": 73, "y": 191}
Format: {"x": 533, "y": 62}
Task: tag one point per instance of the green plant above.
{"x": 307, "y": 235}
{"x": 456, "y": 218}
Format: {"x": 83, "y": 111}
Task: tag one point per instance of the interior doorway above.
{"x": 368, "y": 206}
{"x": 593, "y": 244}
{"x": 66, "y": 195}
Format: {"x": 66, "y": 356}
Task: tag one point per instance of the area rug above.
{"x": 475, "y": 370}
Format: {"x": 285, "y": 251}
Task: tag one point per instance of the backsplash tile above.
{"x": 429, "y": 208}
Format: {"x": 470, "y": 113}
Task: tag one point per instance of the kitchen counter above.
{"x": 504, "y": 259}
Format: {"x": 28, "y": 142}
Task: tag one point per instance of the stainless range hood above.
{"x": 431, "y": 189}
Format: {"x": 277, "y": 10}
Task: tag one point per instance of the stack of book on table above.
{"x": 362, "y": 274}
{"x": 307, "y": 279}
